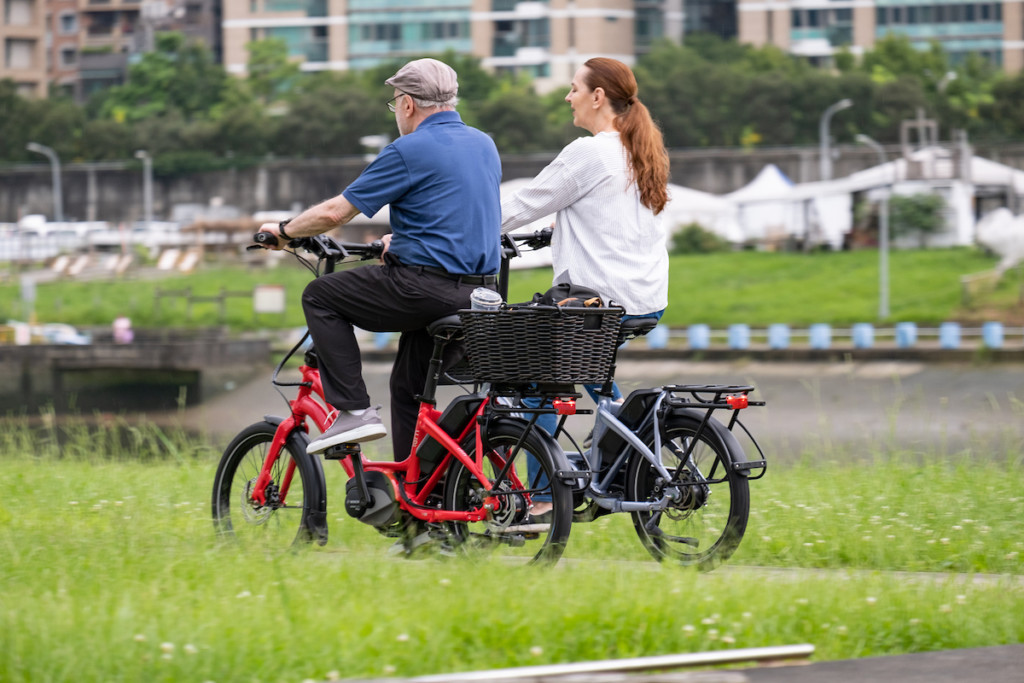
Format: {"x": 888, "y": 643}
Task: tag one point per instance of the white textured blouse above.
{"x": 604, "y": 238}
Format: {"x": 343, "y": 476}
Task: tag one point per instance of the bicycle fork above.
{"x": 259, "y": 489}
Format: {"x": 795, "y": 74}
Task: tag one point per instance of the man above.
{"x": 441, "y": 179}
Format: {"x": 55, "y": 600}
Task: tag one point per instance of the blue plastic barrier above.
{"x": 821, "y": 336}
{"x": 949, "y": 335}
{"x": 778, "y": 336}
{"x": 739, "y": 336}
{"x": 906, "y": 335}
{"x": 699, "y": 336}
{"x": 381, "y": 340}
{"x": 992, "y": 334}
{"x": 658, "y": 337}
{"x": 863, "y": 335}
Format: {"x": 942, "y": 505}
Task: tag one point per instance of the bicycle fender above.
{"x": 558, "y": 456}
{"x": 726, "y": 439}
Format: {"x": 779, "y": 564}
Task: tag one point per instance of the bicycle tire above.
{"x": 503, "y": 532}
{"x": 712, "y": 518}
{"x": 298, "y": 521}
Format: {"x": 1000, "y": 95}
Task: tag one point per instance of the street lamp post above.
{"x": 823, "y": 136}
{"x": 58, "y": 202}
{"x": 147, "y": 185}
{"x": 883, "y": 234}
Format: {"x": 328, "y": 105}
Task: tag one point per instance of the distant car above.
{"x": 60, "y": 333}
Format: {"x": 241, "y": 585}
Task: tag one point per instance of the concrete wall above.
{"x": 112, "y": 191}
{"x": 142, "y": 375}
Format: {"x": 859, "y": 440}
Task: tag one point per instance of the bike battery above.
{"x": 630, "y": 414}
{"x": 453, "y": 421}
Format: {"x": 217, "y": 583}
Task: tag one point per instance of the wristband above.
{"x": 281, "y": 232}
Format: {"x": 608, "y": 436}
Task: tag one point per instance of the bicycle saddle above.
{"x": 632, "y": 328}
{"x": 445, "y": 327}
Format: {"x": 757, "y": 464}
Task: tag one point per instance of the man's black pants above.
{"x": 386, "y": 298}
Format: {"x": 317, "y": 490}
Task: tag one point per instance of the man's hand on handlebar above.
{"x": 269, "y": 237}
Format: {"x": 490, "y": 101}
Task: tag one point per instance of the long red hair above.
{"x": 648, "y": 160}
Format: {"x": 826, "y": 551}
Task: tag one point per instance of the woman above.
{"x": 607, "y": 192}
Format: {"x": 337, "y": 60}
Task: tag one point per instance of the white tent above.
{"x": 768, "y": 185}
{"x": 764, "y": 207}
{"x": 710, "y": 211}
{"x": 770, "y": 206}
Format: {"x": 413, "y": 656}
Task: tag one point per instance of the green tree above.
{"x": 270, "y": 73}
{"x": 1005, "y": 113}
{"x": 177, "y": 76}
{"x": 15, "y": 123}
{"x": 107, "y": 140}
{"x": 330, "y": 114}
{"x": 517, "y": 121}
{"x": 894, "y": 56}
{"x": 697, "y": 102}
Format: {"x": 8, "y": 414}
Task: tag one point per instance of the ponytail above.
{"x": 640, "y": 135}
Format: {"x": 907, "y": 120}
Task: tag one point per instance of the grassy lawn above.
{"x": 111, "y": 572}
{"x": 717, "y": 289}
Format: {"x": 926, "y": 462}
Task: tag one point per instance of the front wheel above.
{"x": 507, "y": 532}
{"x": 289, "y": 513}
{"x": 704, "y": 524}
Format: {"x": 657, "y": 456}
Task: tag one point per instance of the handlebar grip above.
{"x": 265, "y": 238}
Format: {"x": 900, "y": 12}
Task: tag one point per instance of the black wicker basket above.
{"x": 522, "y": 344}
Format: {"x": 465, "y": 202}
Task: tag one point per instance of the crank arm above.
{"x": 651, "y": 526}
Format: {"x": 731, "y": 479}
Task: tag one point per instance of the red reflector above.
{"x": 564, "y": 406}
{"x": 737, "y": 401}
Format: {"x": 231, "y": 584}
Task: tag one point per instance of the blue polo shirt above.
{"x": 442, "y": 184}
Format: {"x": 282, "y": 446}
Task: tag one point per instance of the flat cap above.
{"x": 426, "y": 79}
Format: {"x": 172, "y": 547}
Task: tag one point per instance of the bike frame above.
{"x": 306, "y": 405}
{"x": 605, "y": 420}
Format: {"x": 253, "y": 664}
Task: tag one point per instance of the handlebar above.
{"x": 538, "y": 239}
{"x": 325, "y": 247}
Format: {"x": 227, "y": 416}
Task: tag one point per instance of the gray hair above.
{"x": 425, "y": 104}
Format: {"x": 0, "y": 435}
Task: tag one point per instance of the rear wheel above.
{"x": 706, "y": 522}
{"x": 507, "y": 532}
{"x": 286, "y": 517}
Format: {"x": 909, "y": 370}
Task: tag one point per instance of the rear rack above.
{"x": 712, "y": 397}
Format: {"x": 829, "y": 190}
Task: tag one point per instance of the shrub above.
{"x": 693, "y": 238}
{"x": 917, "y": 213}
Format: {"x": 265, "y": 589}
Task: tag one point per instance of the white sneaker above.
{"x": 349, "y": 428}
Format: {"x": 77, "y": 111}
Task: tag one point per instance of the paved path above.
{"x": 978, "y": 665}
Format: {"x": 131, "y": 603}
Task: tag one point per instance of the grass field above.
{"x": 755, "y": 288}
{"x": 111, "y": 572}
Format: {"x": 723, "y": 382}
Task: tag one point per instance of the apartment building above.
{"x": 62, "y": 48}
{"x": 546, "y": 39}
{"x": 23, "y": 39}
{"x": 815, "y": 29}
{"x": 113, "y": 31}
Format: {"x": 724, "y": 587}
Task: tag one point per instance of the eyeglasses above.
{"x": 391, "y": 102}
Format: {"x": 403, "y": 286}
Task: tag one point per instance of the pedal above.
{"x": 342, "y": 451}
